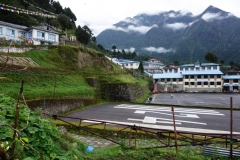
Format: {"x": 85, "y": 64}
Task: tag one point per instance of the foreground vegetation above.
{"x": 38, "y": 138}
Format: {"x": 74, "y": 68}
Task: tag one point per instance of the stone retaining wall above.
{"x": 20, "y": 49}
{"x": 60, "y": 105}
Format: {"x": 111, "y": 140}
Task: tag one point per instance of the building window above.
{"x": 197, "y": 69}
{"x": 0, "y": 30}
{"x": 186, "y": 83}
{"x": 211, "y": 83}
{"x": 218, "y": 76}
{"x": 166, "y": 70}
{"x": 214, "y": 67}
{"x": 209, "y": 68}
{"x": 186, "y": 77}
{"x": 174, "y": 79}
{"x": 40, "y": 35}
{"x": 199, "y": 83}
{"x": 192, "y": 83}
{"x": 218, "y": 83}
{"x": 211, "y": 76}
{"x": 205, "y": 76}
{"x": 235, "y": 81}
{"x": 181, "y": 69}
{"x": 203, "y": 68}
{"x": 199, "y": 76}
{"x": 52, "y": 37}
{"x": 205, "y": 83}
{"x": 11, "y": 32}
{"x": 226, "y": 80}
{"x": 180, "y": 79}
{"x": 30, "y": 35}
{"x": 168, "y": 80}
{"x": 131, "y": 64}
{"x": 22, "y": 34}
{"x": 186, "y": 69}
{"x": 192, "y": 68}
{"x": 192, "y": 76}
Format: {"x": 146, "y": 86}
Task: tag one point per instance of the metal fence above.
{"x": 211, "y": 151}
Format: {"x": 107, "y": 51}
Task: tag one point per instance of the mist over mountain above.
{"x": 177, "y": 35}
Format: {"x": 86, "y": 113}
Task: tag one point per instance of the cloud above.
{"x": 131, "y": 49}
{"x": 140, "y": 29}
{"x": 214, "y": 16}
{"x": 159, "y": 49}
{"x": 176, "y": 26}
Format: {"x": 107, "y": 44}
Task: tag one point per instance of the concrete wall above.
{"x": 60, "y": 105}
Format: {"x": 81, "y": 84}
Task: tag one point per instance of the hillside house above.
{"x": 43, "y": 34}
{"x": 153, "y": 67}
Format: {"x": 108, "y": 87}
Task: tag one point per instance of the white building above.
{"x": 205, "y": 77}
{"x": 231, "y": 81}
{"x": 153, "y": 67}
{"x": 37, "y": 35}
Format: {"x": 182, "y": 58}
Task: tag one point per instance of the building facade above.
{"x": 37, "y": 35}
{"x": 231, "y": 81}
{"x": 205, "y": 77}
{"x": 153, "y": 67}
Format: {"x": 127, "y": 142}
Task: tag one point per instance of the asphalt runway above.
{"x": 154, "y": 116}
{"x": 218, "y": 100}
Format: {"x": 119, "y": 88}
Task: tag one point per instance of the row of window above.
{"x": 202, "y": 83}
{"x": 233, "y": 80}
{"x": 173, "y": 80}
{"x": 40, "y": 35}
{"x": 202, "y": 76}
{"x": 198, "y": 69}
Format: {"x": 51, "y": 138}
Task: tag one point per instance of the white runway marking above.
{"x": 153, "y": 120}
{"x": 181, "y": 114}
{"x": 196, "y": 130}
{"x": 168, "y": 109}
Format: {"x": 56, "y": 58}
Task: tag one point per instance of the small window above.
{"x": 186, "y": 83}
{"x": 181, "y": 69}
{"x": 218, "y": 76}
{"x": 199, "y": 76}
{"x": 168, "y": 80}
{"x": 199, "y": 83}
{"x": 211, "y": 76}
{"x": 211, "y": 83}
{"x": 214, "y": 67}
{"x": 205, "y": 83}
{"x": 192, "y": 68}
{"x": 209, "y": 68}
{"x": 235, "y": 81}
{"x": 0, "y": 30}
{"x": 40, "y": 35}
{"x": 203, "y": 68}
{"x": 174, "y": 79}
{"x": 180, "y": 79}
{"x": 11, "y": 32}
{"x": 192, "y": 83}
{"x": 205, "y": 76}
{"x": 186, "y": 69}
{"x": 186, "y": 77}
{"x": 218, "y": 83}
{"x": 197, "y": 69}
{"x": 226, "y": 80}
{"x": 192, "y": 76}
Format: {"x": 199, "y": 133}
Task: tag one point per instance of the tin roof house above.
{"x": 43, "y": 34}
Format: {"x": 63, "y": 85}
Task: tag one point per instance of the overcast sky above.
{"x": 99, "y": 15}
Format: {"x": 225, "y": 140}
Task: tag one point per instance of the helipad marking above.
{"x": 181, "y": 114}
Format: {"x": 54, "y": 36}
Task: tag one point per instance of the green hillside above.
{"x": 62, "y": 69}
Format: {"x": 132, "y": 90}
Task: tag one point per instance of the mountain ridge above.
{"x": 177, "y": 35}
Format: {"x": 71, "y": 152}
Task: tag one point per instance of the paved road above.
{"x": 198, "y": 99}
{"x": 187, "y": 119}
